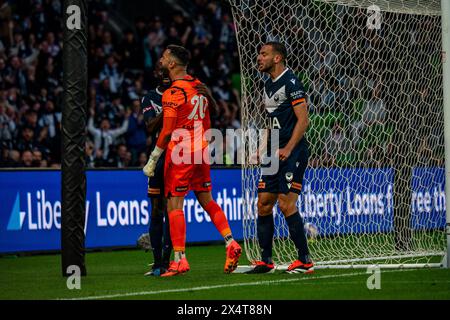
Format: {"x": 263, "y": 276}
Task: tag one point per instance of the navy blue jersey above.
{"x": 280, "y": 96}
{"x": 151, "y": 104}
{"x": 151, "y": 107}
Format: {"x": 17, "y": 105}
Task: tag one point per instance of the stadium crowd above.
{"x": 121, "y": 70}
{"x": 351, "y": 82}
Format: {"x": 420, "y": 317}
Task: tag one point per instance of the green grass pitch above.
{"x": 119, "y": 275}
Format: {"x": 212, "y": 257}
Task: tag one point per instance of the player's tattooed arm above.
{"x": 205, "y": 91}
{"x": 154, "y": 124}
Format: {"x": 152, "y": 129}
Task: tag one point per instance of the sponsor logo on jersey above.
{"x": 297, "y": 94}
{"x": 181, "y": 188}
{"x": 274, "y": 123}
{"x": 170, "y": 103}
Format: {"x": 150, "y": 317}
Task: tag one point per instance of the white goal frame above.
{"x": 372, "y": 261}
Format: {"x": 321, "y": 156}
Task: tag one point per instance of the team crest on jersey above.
{"x": 289, "y": 176}
{"x": 293, "y": 81}
{"x": 273, "y": 101}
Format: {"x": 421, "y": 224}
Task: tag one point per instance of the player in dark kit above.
{"x": 286, "y": 106}
{"x": 151, "y": 105}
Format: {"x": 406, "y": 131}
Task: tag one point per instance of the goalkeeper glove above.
{"x": 149, "y": 168}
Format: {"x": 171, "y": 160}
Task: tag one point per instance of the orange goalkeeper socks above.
{"x": 218, "y": 218}
{"x": 177, "y": 229}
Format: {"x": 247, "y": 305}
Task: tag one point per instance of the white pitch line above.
{"x": 255, "y": 283}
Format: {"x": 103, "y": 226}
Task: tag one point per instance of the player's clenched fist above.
{"x": 284, "y": 153}
{"x": 149, "y": 168}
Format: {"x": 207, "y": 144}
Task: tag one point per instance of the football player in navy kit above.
{"x": 286, "y": 107}
{"x": 151, "y": 105}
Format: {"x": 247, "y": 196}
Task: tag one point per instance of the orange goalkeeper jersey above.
{"x": 183, "y": 102}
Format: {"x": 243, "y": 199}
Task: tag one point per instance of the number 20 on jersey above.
{"x": 199, "y": 103}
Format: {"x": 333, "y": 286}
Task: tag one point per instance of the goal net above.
{"x": 374, "y": 188}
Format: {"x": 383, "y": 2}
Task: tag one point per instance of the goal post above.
{"x": 374, "y": 188}
{"x": 445, "y": 7}
{"x": 73, "y": 136}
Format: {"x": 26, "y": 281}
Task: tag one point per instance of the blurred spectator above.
{"x": 31, "y": 121}
{"x": 7, "y": 127}
{"x": 27, "y": 140}
{"x": 50, "y": 119}
{"x": 53, "y": 46}
{"x": 129, "y": 52}
{"x": 107, "y": 44}
{"x": 374, "y": 112}
{"x": 5, "y": 21}
{"x": 15, "y": 75}
{"x": 122, "y": 157}
{"x": 104, "y": 136}
{"x": 27, "y": 159}
{"x": 337, "y": 144}
{"x": 136, "y": 134}
{"x": 111, "y": 72}
{"x": 93, "y": 157}
{"x": 142, "y": 160}
{"x": 43, "y": 163}
{"x": 37, "y": 158}
{"x": 228, "y": 101}
{"x": 374, "y": 157}
{"x": 11, "y": 159}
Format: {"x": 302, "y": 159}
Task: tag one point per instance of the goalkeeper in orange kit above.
{"x": 185, "y": 120}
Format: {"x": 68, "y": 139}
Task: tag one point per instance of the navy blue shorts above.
{"x": 289, "y": 177}
{"x": 156, "y": 183}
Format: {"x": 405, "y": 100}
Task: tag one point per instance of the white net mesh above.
{"x": 375, "y": 183}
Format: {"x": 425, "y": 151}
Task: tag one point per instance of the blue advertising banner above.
{"x": 362, "y": 200}
{"x": 118, "y": 210}
{"x": 428, "y": 198}
{"x": 348, "y": 200}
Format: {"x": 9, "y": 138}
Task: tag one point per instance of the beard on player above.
{"x": 266, "y": 67}
{"x": 162, "y": 74}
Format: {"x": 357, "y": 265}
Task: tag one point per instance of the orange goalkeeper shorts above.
{"x": 179, "y": 179}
